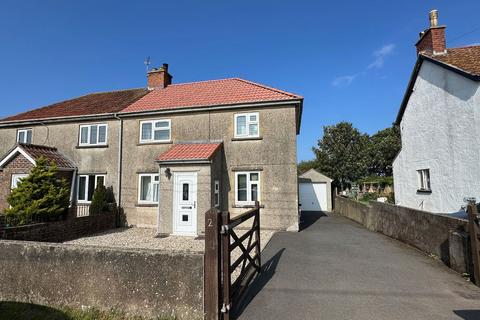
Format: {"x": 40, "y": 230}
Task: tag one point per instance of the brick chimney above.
{"x": 432, "y": 39}
{"x": 159, "y": 77}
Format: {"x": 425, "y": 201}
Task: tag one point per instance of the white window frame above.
{"x": 152, "y": 176}
{"x": 25, "y": 131}
{"x": 249, "y": 188}
{"x": 248, "y": 123}
{"x": 216, "y": 193}
{"x": 424, "y": 183}
{"x": 153, "y": 122}
{"x": 89, "y": 131}
{"x": 87, "y": 183}
{"x": 16, "y": 177}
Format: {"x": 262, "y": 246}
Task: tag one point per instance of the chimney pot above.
{"x": 432, "y": 39}
{"x": 433, "y": 15}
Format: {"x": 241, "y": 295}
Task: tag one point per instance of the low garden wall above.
{"x": 147, "y": 282}
{"x": 440, "y": 235}
{"x": 63, "y": 230}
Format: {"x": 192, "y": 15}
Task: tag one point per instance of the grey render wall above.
{"x": 64, "y": 136}
{"x": 441, "y": 132}
{"x": 436, "y": 234}
{"x": 144, "y": 282}
{"x": 274, "y": 155}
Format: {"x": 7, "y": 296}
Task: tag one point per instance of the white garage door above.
{"x": 313, "y": 196}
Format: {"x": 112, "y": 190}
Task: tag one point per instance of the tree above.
{"x": 306, "y": 165}
{"x": 342, "y": 153}
{"x": 99, "y": 200}
{"x": 39, "y": 197}
{"x": 383, "y": 148}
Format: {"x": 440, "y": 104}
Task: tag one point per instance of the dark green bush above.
{"x": 369, "y": 197}
{"x": 39, "y": 197}
{"x": 99, "y": 200}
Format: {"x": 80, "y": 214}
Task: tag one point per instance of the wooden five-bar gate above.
{"x": 232, "y": 259}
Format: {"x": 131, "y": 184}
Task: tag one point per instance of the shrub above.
{"x": 39, "y": 197}
{"x": 369, "y": 197}
{"x": 99, "y": 200}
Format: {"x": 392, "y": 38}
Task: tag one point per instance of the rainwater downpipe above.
{"x": 120, "y": 153}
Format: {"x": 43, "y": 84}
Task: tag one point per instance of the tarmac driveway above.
{"x": 336, "y": 269}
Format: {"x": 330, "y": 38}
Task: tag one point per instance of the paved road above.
{"x": 335, "y": 269}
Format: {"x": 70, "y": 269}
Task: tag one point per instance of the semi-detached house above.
{"x": 169, "y": 151}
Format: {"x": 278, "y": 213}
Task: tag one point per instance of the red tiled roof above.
{"x": 192, "y": 151}
{"x": 90, "y": 104}
{"x": 50, "y": 153}
{"x": 208, "y": 93}
{"x": 466, "y": 59}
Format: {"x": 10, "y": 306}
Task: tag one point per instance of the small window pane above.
{"x": 84, "y": 135}
{"x": 82, "y": 184}
{"x": 185, "y": 217}
{"x": 254, "y": 192}
{"x": 146, "y": 189}
{"x": 91, "y": 187}
{"x": 253, "y": 176}
{"x": 21, "y": 136}
{"x": 146, "y": 131}
{"x": 241, "y": 125}
{"x": 185, "y": 188}
{"x": 162, "y": 134}
{"x": 29, "y": 136}
{"x": 253, "y": 129}
{"x": 100, "y": 180}
{"x": 93, "y": 134}
{"x": 253, "y": 117}
{"x": 155, "y": 192}
{"x": 102, "y": 134}
{"x": 242, "y": 187}
{"x": 161, "y": 124}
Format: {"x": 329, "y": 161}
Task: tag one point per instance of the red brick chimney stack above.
{"x": 432, "y": 39}
{"x": 159, "y": 77}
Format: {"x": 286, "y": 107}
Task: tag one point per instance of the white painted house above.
{"x": 439, "y": 163}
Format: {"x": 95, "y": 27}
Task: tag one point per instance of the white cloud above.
{"x": 344, "y": 81}
{"x": 380, "y": 56}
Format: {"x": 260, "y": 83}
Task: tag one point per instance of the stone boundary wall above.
{"x": 440, "y": 235}
{"x": 144, "y": 282}
{"x": 63, "y": 230}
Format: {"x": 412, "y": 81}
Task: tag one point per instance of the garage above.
{"x": 314, "y": 191}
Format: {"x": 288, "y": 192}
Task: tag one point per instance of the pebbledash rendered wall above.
{"x": 440, "y": 235}
{"x": 144, "y": 282}
{"x": 440, "y": 131}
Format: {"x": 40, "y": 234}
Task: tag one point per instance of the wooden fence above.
{"x": 474, "y": 231}
{"x": 232, "y": 259}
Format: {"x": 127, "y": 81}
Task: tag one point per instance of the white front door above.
{"x": 185, "y": 203}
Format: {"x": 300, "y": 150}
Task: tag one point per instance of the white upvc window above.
{"x": 155, "y": 131}
{"x": 247, "y": 187}
{"x": 247, "y": 125}
{"x": 16, "y": 178}
{"x": 86, "y": 185}
{"x": 93, "y": 135}
{"x": 424, "y": 179}
{"x": 216, "y": 193}
{"x": 24, "y": 136}
{"x": 148, "y": 185}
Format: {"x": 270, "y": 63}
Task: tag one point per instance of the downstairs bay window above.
{"x": 87, "y": 185}
{"x": 247, "y": 188}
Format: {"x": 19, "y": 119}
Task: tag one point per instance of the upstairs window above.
{"x": 155, "y": 131}
{"x": 247, "y": 188}
{"x": 246, "y": 125}
{"x": 216, "y": 193}
{"x": 148, "y": 188}
{"x": 87, "y": 185}
{"x": 93, "y": 135}
{"x": 424, "y": 180}
{"x": 24, "y": 136}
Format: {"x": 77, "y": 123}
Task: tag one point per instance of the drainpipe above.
{"x": 120, "y": 152}
{"x": 72, "y": 188}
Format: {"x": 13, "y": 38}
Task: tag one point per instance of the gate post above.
{"x": 473, "y": 229}
{"x": 226, "y": 267}
{"x": 212, "y": 265}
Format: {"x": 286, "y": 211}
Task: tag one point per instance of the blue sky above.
{"x": 351, "y": 60}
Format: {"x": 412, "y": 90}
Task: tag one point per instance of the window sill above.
{"x": 93, "y": 146}
{"x": 146, "y": 205}
{"x": 248, "y": 206}
{"x": 153, "y": 142}
{"x": 423, "y": 191}
{"x": 246, "y": 138}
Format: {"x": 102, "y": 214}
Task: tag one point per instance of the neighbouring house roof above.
{"x": 190, "y": 152}
{"x": 464, "y": 61}
{"x": 208, "y": 93}
{"x": 34, "y": 152}
{"x": 90, "y": 104}
{"x": 313, "y": 175}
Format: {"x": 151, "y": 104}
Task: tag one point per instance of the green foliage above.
{"x": 369, "y": 197}
{"x": 99, "y": 200}
{"x": 342, "y": 153}
{"x": 382, "y": 181}
{"x": 39, "y": 197}
{"x": 383, "y": 148}
{"x": 304, "y": 166}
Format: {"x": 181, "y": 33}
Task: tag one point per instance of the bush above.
{"x": 99, "y": 200}
{"x": 39, "y": 197}
{"x": 369, "y": 197}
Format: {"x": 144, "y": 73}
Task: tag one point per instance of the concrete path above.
{"x": 335, "y": 269}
